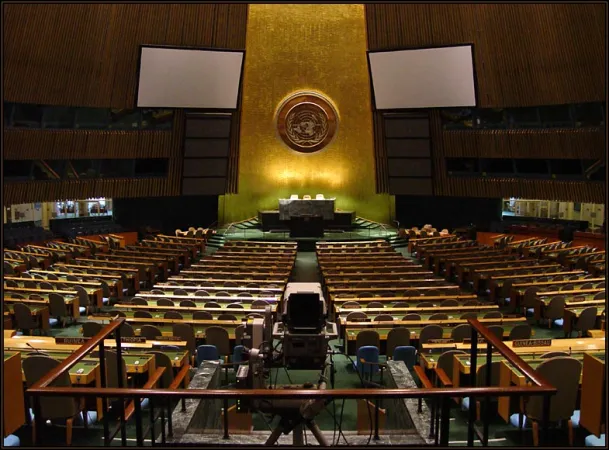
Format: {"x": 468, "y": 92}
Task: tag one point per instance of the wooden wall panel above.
{"x": 575, "y": 191}
{"x": 86, "y": 54}
{"x": 568, "y": 143}
{"x": 525, "y": 54}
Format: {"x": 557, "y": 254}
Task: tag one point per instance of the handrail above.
{"x": 67, "y": 363}
{"x": 509, "y": 354}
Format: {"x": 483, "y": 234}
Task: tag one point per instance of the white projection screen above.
{"x": 423, "y": 78}
{"x": 188, "y": 78}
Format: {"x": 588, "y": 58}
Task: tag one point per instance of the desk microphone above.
{"x": 34, "y": 348}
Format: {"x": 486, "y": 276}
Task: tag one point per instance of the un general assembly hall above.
{"x": 339, "y": 225}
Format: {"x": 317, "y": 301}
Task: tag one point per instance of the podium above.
{"x": 306, "y": 226}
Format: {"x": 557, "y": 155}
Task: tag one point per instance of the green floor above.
{"x": 306, "y": 270}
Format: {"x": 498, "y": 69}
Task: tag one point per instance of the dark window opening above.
{"x": 462, "y": 165}
{"x": 27, "y": 116}
{"x": 532, "y": 166}
{"x": 491, "y": 118}
{"x": 524, "y": 117}
{"x": 497, "y": 166}
{"x": 116, "y": 168}
{"x": 588, "y": 114}
{"x": 17, "y": 169}
{"x": 565, "y": 167}
{"x": 555, "y": 116}
{"x": 151, "y": 167}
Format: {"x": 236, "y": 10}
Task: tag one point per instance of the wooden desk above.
{"x": 13, "y": 404}
{"x": 72, "y": 304}
{"x": 202, "y": 300}
{"x": 114, "y": 282}
{"x": 235, "y": 289}
{"x": 593, "y": 394}
{"x": 95, "y": 294}
{"x": 40, "y": 312}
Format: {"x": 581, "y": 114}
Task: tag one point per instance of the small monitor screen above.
{"x": 305, "y": 310}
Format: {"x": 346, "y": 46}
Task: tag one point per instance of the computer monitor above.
{"x": 305, "y": 313}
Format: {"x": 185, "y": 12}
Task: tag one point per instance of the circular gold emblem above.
{"x": 306, "y": 122}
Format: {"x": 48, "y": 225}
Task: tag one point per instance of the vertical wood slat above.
{"x": 525, "y": 54}
{"x": 86, "y": 55}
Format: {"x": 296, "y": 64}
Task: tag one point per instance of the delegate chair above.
{"x": 383, "y": 318}
{"x": 481, "y": 382}
{"x": 54, "y": 408}
{"x": 142, "y": 315}
{"x": 202, "y": 315}
{"x": 367, "y": 338}
{"x": 211, "y": 305}
{"x": 201, "y": 294}
{"x": 356, "y": 316}
{"x": 461, "y": 332}
{"x": 430, "y": 332}
{"x": 407, "y": 354}
{"x": 375, "y": 305}
{"x": 188, "y": 303}
{"x": 90, "y": 329}
{"x": 521, "y": 331}
{"x": 173, "y": 315}
{"x": 239, "y": 334}
{"x": 185, "y": 332}
{"x": 58, "y": 308}
{"x": 439, "y": 316}
{"x": 218, "y": 337}
{"x": 207, "y": 353}
{"x": 586, "y": 321}
{"x": 469, "y": 315}
{"x": 227, "y": 316}
{"x": 235, "y": 306}
{"x": 367, "y": 362}
{"x": 164, "y": 302}
{"x": 493, "y": 315}
{"x": 444, "y": 366}
{"x": 397, "y": 337}
{"x": 412, "y": 316}
{"x": 564, "y": 374}
{"x": 24, "y": 319}
{"x": 553, "y": 355}
{"x": 497, "y": 330}
{"x": 150, "y": 332}
{"x": 555, "y": 309}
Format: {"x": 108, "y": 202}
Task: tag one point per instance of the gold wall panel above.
{"x": 318, "y": 48}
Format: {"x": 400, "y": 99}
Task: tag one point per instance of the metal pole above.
{"x": 445, "y": 423}
{"x": 152, "y": 419}
{"x": 376, "y": 420}
{"x": 162, "y": 409}
{"x": 119, "y": 371}
{"x": 139, "y": 436}
{"x": 487, "y": 399}
{"x": 472, "y": 400}
{"x": 225, "y": 419}
{"x": 38, "y": 420}
{"x": 103, "y": 383}
{"x": 546, "y": 420}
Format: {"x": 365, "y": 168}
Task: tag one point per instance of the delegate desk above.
{"x": 498, "y": 282}
{"x": 72, "y": 303}
{"x": 429, "y": 352}
{"x": 230, "y": 289}
{"x": 40, "y": 314}
{"x": 187, "y": 312}
{"x": 95, "y": 295}
{"x": 203, "y": 300}
{"x": 573, "y": 310}
{"x": 435, "y": 300}
{"x": 352, "y": 329}
{"x": 13, "y": 405}
{"x": 114, "y": 282}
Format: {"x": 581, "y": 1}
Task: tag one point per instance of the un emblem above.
{"x": 306, "y": 122}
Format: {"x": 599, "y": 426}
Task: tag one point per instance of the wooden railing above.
{"x": 438, "y": 396}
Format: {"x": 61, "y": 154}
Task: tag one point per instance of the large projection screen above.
{"x": 423, "y": 78}
{"x": 188, "y": 78}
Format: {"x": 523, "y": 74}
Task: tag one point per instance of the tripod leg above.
{"x": 272, "y": 440}
{"x": 297, "y": 436}
{"x": 318, "y": 434}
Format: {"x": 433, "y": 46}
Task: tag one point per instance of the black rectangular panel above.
{"x": 203, "y": 148}
{"x": 409, "y": 167}
{"x": 203, "y": 186}
{"x": 207, "y": 128}
{"x": 408, "y": 148}
{"x": 205, "y": 167}
{"x": 396, "y": 128}
{"x": 410, "y": 186}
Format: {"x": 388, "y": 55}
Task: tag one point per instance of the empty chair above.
{"x": 207, "y": 353}
{"x": 11, "y": 283}
{"x": 226, "y": 316}
{"x": 164, "y": 302}
{"x": 223, "y": 294}
{"x": 553, "y": 355}
{"x": 401, "y": 305}
{"x": 157, "y": 292}
{"x": 566, "y": 287}
{"x": 185, "y": 332}
{"x": 367, "y": 338}
{"x": 235, "y": 306}
{"x": 188, "y": 303}
{"x": 142, "y": 314}
{"x": 172, "y": 283}
{"x": 180, "y": 292}
{"x": 493, "y": 315}
{"x": 444, "y": 365}
{"x": 397, "y": 337}
{"x": 430, "y": 332}
{"x": 439, "y": 316}
{"x": 13, "y": 295}
{"x": 469, "y": 315}
{"x": 585, "y": 286}
{"x": 58, "y": 308}
{"x": 586, "y": 321}
{"x": 212, "y": 305}
{"x": 555, "y": 309}
{"x": 383, "y": 318}
{"x": 365, "y": 294}
{"x": 432, "y": 293}
{"x": 126, "y": 330}
{"x": 345, "y": 295}
{"x": 521, "y": 331}
{"x": 366, "y": 361}
{"x": 411, "y": 316}
{"x": 254, "y": 316}
{"x": 411, "y": 293}
{"x": 161, "y": 359}
{"x": 356, "y": 316}
{"x": 407, "y": 354}
{"x": 351, "y": 305}
{"x": 139, "y": 301}
{"x": 23, "y": 317}
{"x": 564, "y": 374}
{"x": 230, "y": 284}
{"x": 118, "y": 313}
{"x": 450, "y": 302}
{"x": 375, "y": 305}
{"x": 90, "y": 329}
{"x": 599, "y": 296}
{"x": 36, "y": 297}
{"x": 218, "y": 337}
{"x": 83, "y": 299}
{"x": 29, "y": 284}
{"x": 202, "y": 315}
{"x": 481, "y": 382}
{"x": 173, "y": 315}
{"x": 497, "y": 330}
{"x": 36, "y": 367}
{"x": 425, "y": 305}
{"x": 150, "y": 332}
{"x": 190, "y": 284}
{"x": 601, "y": 285}
{"x": 471, "y": 303}
{"x": 259, "y": 304}
{"x": 461, "y": 332}
{"x": 46, "y": 285}
{"x": 201, "y": 293}
{"x": 246, "y": 294}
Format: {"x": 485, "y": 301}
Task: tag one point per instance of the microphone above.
{"x": 34, "y": 348}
